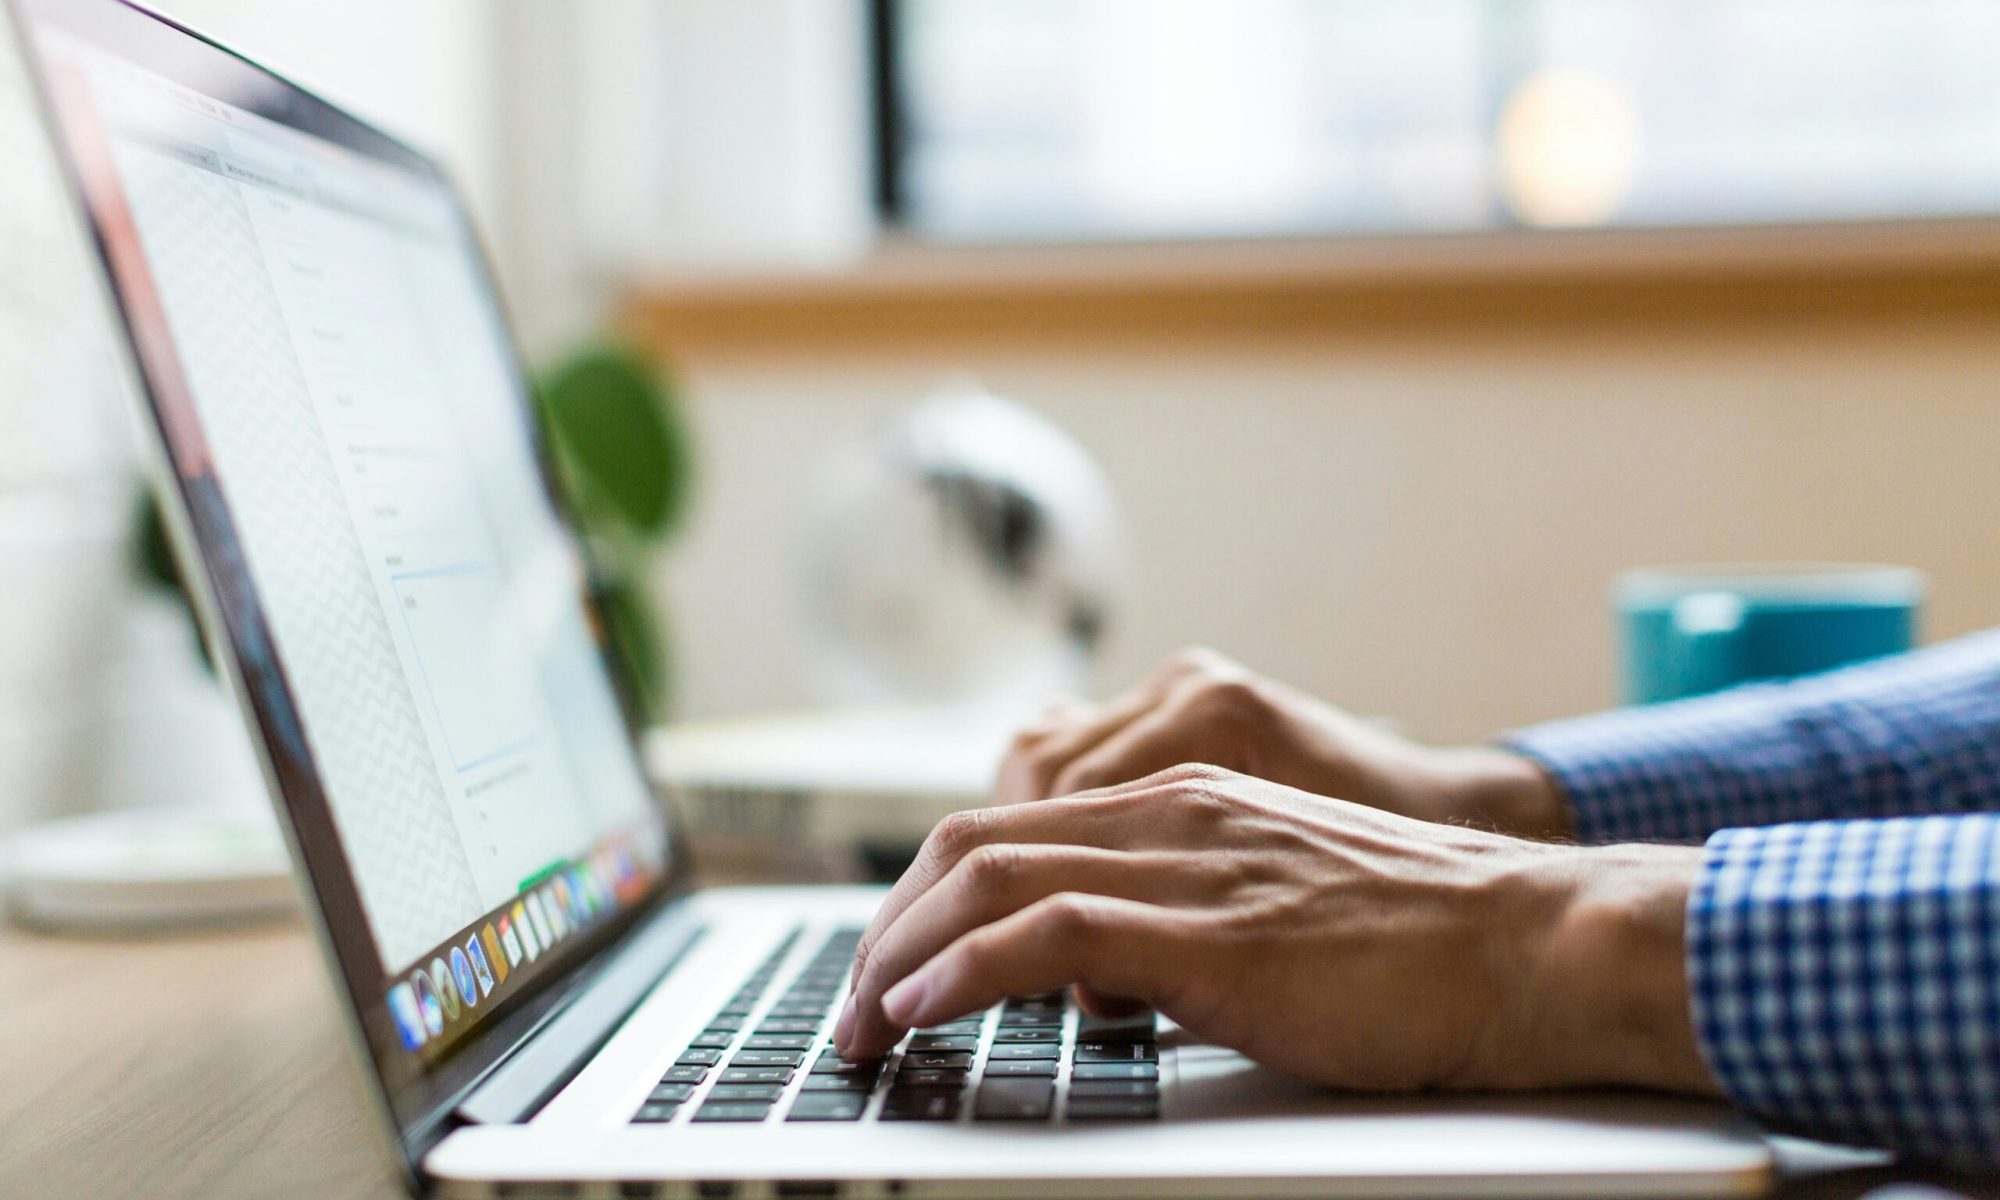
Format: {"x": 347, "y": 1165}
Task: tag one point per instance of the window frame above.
{"x": 890, "y": 141}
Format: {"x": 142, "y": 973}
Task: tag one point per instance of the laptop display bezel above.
{"x": 418, "y": 1099}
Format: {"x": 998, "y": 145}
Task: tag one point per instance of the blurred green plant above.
{"x": 625, "y": 465}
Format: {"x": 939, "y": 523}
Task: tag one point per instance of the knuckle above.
{"x": 1066, "y": 916}
{"x": 1194, "y": 779}
{"x": 958, "y": 832}
{"x": 1229, "y": 698}
{"x": 990, "y": 867}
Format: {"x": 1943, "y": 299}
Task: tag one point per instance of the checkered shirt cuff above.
{"x": 1845, "y": 980}
{"x": 1919, "y": 733}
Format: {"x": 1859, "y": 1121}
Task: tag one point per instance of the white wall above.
{"x": 1422, "y": 527}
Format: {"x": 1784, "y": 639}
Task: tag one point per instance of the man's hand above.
{"x": 1360, "y": 948}
{"x": 1199, "y": 707}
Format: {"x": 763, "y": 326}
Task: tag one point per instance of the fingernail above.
{"x": 845, "y": 1024}
{"x": 903, "y": 1001}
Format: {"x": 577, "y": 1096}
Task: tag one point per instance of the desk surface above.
{"x": 214, "y": 1067}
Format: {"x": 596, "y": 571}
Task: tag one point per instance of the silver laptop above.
{"x": 394, "y": 592}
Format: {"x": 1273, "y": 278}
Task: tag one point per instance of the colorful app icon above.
{"x": 461, "y": 974}
{"x": 510, "y": 939}
{"x": 566, "y": 898}
{"x": 540, "y": 920}
{"x": 625, "y": 880}
{"x": 491, "y": 941}
{"x": 428, "y": 1003}
{"x": 553, "y": 911}
{"x": 524, "y": 924}
{"x": 482, "y": 971}
{"x": 409, "y": 1020}
{"x": 446, "y": 989}
{"x": 584, "y": 879}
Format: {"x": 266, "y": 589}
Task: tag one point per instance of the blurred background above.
{"x": 1396, "y": 329}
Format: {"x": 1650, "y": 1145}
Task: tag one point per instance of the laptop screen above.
{"x": 350, "y": 431}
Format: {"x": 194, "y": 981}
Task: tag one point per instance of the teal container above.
{"x": 1693, "y": 630}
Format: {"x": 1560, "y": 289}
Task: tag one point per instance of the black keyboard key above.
{"x": 1022, "y": 1037}
{"x": 1116, "y": 1052}
{"x": 828, "y": 1106}
{"x": 1049, "y": 1050}
{"x": 830, "y": 1063}
{"x": 712, "y": 1039}
{"x": 1112, "y": 1108}
{"x": 729, "y": 1023}
{"x": 938, "y": 1060}
{"x": 800, "y": 1008}
{"x": 969, "y": 1027}
{"x": 1001, "y": 1068}
{"x": 767, "y": 1058}
{"x": 735, "y": 1010}
{"x": 670, "y": 1093}
{"x": 924, "y": 1078}
{"x": 927, "y": 1105}
{"x": 1014, "y": 1100}
{"x": 933, "y": 1041}
{"x": 756, "y": 1075}
{"x": 862, "y": 1084}
{"x": 778, "y": 1041}
{"x": 1129, "y": 1070}
{"x": 761, "y": 1092}
{"x": 790, "y": 1025}
{"x": 1031, "y": 1020}
{"x": 685, "y": 1073}
{"x": 699, "y": 1058}
{"x": 1123, "y": 1088}
{"x": 1140, "y": 1027}
{"x": 655, "y": 1114}
{"x": 733, "y": 1110}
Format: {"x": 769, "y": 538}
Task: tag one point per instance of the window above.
{"x": 1108, "y": 119}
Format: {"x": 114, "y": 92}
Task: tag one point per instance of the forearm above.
{"x": 1916, "y": 734}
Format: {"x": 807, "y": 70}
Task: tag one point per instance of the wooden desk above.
{"x": 213, "y": 1067}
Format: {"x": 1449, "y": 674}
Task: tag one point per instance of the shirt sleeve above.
{"x": 1914, "y": 734}
{"x": 1845, "y": 980}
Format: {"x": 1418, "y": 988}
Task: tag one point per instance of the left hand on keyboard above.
{"x": 1348, "y": 945}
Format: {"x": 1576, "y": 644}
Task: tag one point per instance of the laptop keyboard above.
{"x": 1033, "y": 1059}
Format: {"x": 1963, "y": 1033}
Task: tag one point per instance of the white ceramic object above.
{"x": 148, "y": 869}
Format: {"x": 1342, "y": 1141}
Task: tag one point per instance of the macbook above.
{"x": 391, "y": 586}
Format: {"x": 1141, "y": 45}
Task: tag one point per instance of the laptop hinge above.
{"x": 518, "y": 1087}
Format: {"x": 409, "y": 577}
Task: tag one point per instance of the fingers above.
{"x": 1069, "y": 731}
{"x": 1108, "y": 945}
{"x": 1155, "y": 741}
{"x": 989, "y": 884}
{"x": 1087, "y": 820}
{"x": 1097, "y": 1004}
{"x": 1038, "y": 753}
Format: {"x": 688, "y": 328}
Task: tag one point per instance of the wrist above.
{"x": 1504, "y": 791}
{"x": 1607, "y": 981}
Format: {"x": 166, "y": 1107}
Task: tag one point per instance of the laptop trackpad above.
{"x": 1212, "y": 1083}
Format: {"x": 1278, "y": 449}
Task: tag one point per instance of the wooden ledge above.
{"x": 1507, "y": 284}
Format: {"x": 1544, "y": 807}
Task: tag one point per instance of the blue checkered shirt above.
{"x": 1844, "y": 934}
